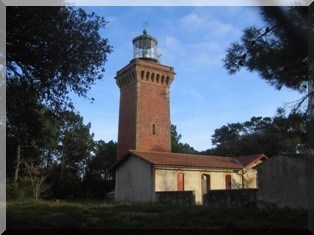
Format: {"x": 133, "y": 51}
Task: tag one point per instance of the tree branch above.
{"x": 24, "y": 71}
{"x": 14, "y": 71}
{"x": 294, "y": 110}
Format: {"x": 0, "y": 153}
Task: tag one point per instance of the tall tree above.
{"x": 278, "y": 51}
{"x": 75, "y": 145}
{"x": 51, "y": 51}
{"x": 98, "y": 179}
{"x": 55, "y": 50}
{"x": 104, "y": 158}
{"x": 32, "y": 128}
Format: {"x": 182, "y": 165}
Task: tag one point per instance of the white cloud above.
{"x": 220, "y": 29}
{"x": 193, "y": 23}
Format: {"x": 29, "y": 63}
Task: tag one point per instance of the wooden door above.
{"x": 205, "y": 183}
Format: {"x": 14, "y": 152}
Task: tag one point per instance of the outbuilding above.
{"x": 140, "y": 175}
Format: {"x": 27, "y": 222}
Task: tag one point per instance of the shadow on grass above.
{"x": 100, "y": 215}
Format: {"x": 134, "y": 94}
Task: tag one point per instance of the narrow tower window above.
{"x": 147, "y": 76}
{"x": 153, "y": 77}
{"x": 142, "y": 74}
{"x": 167, "y": 80}
{"x": 154, "y": 129}
{"x": 162, "y": 79}
{"x": 157, "y": 78}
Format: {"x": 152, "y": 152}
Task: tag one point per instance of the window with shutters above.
{"x": 180, "y": 182}
{"x": 228, "y": 181}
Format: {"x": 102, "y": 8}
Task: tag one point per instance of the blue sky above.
{"x": 193, "y": 40}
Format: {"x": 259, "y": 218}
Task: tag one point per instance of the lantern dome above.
{"x": 145, "y": 47}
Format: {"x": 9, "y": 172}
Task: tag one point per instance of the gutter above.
{"x": 171, "y": 167}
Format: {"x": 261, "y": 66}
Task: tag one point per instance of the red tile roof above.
{"x": 246, "y": 161}
{"x": 183, "y": 160}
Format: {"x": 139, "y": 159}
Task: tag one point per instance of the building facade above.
{"x": 145, "y": 163}
{"x": 140, "y": 175}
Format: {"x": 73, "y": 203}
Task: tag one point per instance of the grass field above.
{"x": 96, "y": 215}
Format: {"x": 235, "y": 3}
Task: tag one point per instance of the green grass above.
{"x": 95, "y": 215}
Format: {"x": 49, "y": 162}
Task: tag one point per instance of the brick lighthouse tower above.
{"x": 144, "y": 114}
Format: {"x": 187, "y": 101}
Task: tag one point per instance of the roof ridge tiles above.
{"x": 188, "y": 154}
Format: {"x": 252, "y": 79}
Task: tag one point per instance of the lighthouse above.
{"x": 144, "y": 111}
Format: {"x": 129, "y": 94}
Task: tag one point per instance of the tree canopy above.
{"x": 51, "y": 52}
{"x": 98, "y": 179}
{"x": 278, "y": 51}
{"x": 271, "y": 136}
{"x": 55, "y": 50}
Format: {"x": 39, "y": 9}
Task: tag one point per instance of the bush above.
{"x": 19, "y": 191}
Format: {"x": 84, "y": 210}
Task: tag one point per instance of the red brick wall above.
{"x": 144, "y": 103}
{"x": 127, "y": 120}
{"x": 153, "y": 109}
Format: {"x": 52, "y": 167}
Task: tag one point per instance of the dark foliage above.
{"x": 51, "y": 52}
{"x": 55, "y": 50}
{"x": 278, "y": 51}
{"x": 271, "y": 136}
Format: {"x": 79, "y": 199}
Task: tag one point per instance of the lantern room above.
{"x": 145, "y": 47}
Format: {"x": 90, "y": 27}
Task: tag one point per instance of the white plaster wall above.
{"x": 166, "y": 180}
{"x": 251, "y": 178}
{"x": 134, "y": 181}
